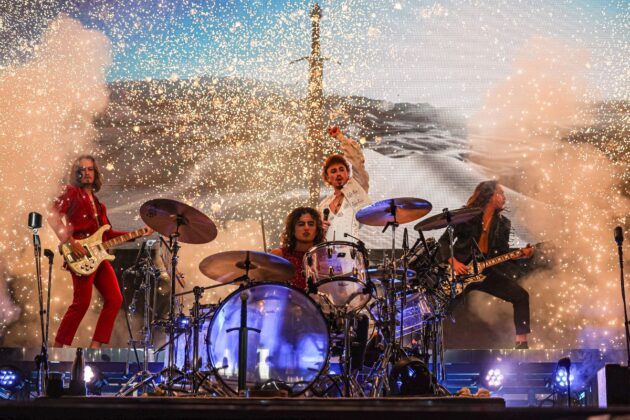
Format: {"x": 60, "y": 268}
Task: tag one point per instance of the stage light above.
{"x": 563, "y": 378}
{"x": 94, "y": 379}
{"x": 88, "y": 374}
{"x": 183, "y": 322}
{"x": 11, "y": 378}
{"x": 494, "y": 378}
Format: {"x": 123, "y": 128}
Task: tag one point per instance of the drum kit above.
{"x": 271, "y": 338}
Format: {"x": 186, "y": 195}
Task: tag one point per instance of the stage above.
{"x": 279, "y": 408}
{"x": 527, "y": 387}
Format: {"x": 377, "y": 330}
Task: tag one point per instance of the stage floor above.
{"x": 528, "y": 381}
{"x": 156, "y": 408}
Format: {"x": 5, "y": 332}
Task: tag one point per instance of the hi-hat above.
{"x": 169, "y": 217}
{"x": 440, "y": 221}
{"x": 400, "y": 210}
{"x": 227, "y": 266}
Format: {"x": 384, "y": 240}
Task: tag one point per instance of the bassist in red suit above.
{"x": 84, "y": 214}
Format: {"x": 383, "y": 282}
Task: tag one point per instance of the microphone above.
{"x": 326, "y": 213}
{"x": 34, "y": 220}
{"x": 619, "y": 235}
{"x": 49, "y": 254}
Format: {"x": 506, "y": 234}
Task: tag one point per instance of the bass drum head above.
{"x": 289, "y": 352}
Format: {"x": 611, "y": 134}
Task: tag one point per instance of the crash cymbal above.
{"x": 440, "y": 221}
{"x": 407, "y": 209}
{"x": 168, "y": 217}
{"x": 230, "y": 265}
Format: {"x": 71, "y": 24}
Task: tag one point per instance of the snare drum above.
{"x": 338, "y": 271}
{"x": 287, "y": 344}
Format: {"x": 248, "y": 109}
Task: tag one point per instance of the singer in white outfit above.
{"x": 346, "y": 174}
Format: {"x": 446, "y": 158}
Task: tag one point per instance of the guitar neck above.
{"x": 501, "y": 258}
{"x": 124, "y": 238}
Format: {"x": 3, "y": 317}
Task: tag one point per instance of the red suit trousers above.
{"x": 105, "y": 281}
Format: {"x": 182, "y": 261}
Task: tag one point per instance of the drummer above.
{"x": 302, "y": 230}
{"x": 346, "y": 174}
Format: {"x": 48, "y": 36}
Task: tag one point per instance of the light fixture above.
{"x": 12, "y": 383}
{"x": 563, "y": 378}
{"x": 494, "y": 378}
{"x": 11, "y": 378}
{"x": 94, "y": 379}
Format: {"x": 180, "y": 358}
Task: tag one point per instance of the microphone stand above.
{"x": 41, "y": 360}
{"x": 619, "y": 240}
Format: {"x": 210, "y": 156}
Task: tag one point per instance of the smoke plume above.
{"x": 574, "y": 195}
{"x": 46, "y": 111}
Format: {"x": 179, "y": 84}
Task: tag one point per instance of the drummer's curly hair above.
{"x": 74, "y": 178}
{"x": 483, "y": 194}
{"x": 288, "y": 236}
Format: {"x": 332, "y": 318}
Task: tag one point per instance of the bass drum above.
{"x": 287, "y": 344}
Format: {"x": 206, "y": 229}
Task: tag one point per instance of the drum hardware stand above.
{"x": 196, "y": 378}
{"x": 242, "y": 346}
{"x": 144, "y": 378}
{"x": 350, "y": 386}
{"x": 170, "y": 371}
{"x": 243, "y": 331}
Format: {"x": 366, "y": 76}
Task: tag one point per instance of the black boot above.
{"x": 521, "y": 345}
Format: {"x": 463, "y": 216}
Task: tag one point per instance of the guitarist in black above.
{"x": 491, "y": 232}
{"x": 84, "y": 214}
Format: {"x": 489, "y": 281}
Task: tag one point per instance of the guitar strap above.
{"x": 97, "y": 209}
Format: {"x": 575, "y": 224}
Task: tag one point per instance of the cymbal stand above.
{"x": 144, "y": 378}
{"x": 393, "y": 346}
{"x": 169, "y": 372}
{"x": 450, "y": 229}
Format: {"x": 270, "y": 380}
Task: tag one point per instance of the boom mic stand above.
{"x": 619, "y": 240}
{"x": 34, "y": 224}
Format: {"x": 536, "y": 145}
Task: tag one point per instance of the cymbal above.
{"x": 162, "y": 215}
{"x": 439, "y": 221}
{"x": 230, "y": 265}
{"x": 407, "y": 210}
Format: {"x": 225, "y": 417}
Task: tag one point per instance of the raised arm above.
{"x": 353, "y": 151}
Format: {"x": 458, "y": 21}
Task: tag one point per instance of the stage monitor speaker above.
{"x": 613, "y": 385}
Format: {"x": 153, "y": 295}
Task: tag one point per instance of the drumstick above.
{"x": 262, "y": 227}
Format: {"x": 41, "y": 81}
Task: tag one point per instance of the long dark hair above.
{"x": 288, "y": 236}
{"x": 75, "y": 173}
{"x": 483, "y": 194}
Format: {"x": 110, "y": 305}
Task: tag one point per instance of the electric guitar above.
{"x": 96, "y": 250}
{"x": 463, "y": 281}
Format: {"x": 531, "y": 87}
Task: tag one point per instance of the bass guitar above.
{"x": 96, "y": 250}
